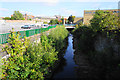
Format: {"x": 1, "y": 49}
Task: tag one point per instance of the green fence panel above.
{"x": 0, "y": 38}
{"x": 4, "y": 38}
{"x": 37, "y": 31}
{"x": 27, "y": 33}
{"x": 31, "y": 32}
{"x": 22, "y": 34}
{"x": 46, "y": 29}
{"x": 43, "y": 29}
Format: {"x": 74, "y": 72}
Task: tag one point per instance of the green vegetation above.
{"x": 79, "y": 24}
{"x": 104, "y": 20}
{"x": 52, "y": 22}
{"x": 45, "y": 22}
{"x": 97, "y": 40}
{"x": 58, "y": 36}
{"x": 71, "y": 19}
{"x": 32, "y": 60}
{"x": 7, "y": 18}
{"x": 102, "y": 23}
{"x": 30, "y": 19}
{"x": 16, "y": 16}
{"x": 85, "y": 37}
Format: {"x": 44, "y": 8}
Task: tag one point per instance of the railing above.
{"x": 27, "y": 33}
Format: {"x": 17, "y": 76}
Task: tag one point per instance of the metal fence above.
{"x": 27, "y": 33}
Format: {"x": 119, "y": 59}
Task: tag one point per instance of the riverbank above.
{"x": 96, "y": 54}
{"x": 33, "y": 59}
{"x": 66, "y": 67}
{"x": 57, "y": 63}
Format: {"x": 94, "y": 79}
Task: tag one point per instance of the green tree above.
{"x": 45, "y": 22}
{"x": 12, "y": 18}
{"x": 71, "y": 19}
{"x": 56, "y": 21}
{"x": 18, "y": 16}
{"x": 110, "y": 21}
{"x": 52, "y": 22}
{"x": 104, "y": 20}
{"x": 7, "y": 18}
{"x": 62, "y": 19}
{"x": 99, "y": 14}
{"x": 80, "y": 23}
{"x": 30, "y": 19}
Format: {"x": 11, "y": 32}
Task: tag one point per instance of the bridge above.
{"x": 69, "y": 27}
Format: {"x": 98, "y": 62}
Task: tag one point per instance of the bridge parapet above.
{"x": 69, "y": 27}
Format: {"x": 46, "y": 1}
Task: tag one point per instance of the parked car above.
{"x": 45, "y": 25}
{"x": 33, "y": 25}
{"x": 26, "y": 27}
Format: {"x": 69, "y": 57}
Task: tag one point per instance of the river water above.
{"x": 67, "y": 69}
{"x": 76, "y": 65}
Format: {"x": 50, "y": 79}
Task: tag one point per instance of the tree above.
{"x": 104, "y": 19}
{"x": 52, "y": 22}
{"x": 80, "y": 23}
{"x": 45, "y": 22}
{"x": 56, "y": 21}
{"x": 7, "y": 18}
{"x": 98, "y": 16}
{"x": 110, "y": 21}
{"x": 30, "y": 19}
{"x": 71, "y": 19}
{"x": 62, "y": 19}
{"x": 12, "y": 18}
{"x": 18, "y": 16}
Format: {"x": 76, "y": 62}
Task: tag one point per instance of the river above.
{"x": 67, "y": 69}
{"x": 77, "y": 65}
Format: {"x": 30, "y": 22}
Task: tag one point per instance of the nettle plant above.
{"x": 28, "y": 60}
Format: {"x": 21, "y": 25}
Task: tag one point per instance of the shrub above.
{"x": 58, "y": 36}
{"x": 32, "y": 60}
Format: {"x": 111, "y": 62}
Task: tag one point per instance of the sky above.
{"x": 54, "y": 7}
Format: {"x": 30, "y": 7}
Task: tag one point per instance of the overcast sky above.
{"x": 54, "y": 7}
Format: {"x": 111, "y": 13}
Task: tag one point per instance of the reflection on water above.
{"x": 66, "y": 69}
{"x": 102, "y": 65}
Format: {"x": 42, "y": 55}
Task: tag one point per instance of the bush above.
{"x": 31, "y": 60}
{"x": 58, "y": 36}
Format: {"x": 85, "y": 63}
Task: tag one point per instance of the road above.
{"x": 5, "y": 28}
